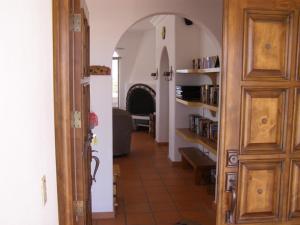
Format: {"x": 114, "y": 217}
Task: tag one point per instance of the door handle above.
{"x": 230, "y": 217}
{"x": 97, "y": 161}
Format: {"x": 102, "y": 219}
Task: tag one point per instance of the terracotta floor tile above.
{"x": 149, "y": 183}
{"x": 163, "y": 218}
{"x": 185, "y": 205}
{"x": 134, "y": 192}
{"x": 159, "y": 198}
{"x": 140, "y": 219}
{"x": 135, "y": 199}
{"x": 118, "y": 220}
{"x": 162, "y": 206}
{"x": 178, "y": 182}
{"x": 155, "y": 189}
{"x": 150, "y": 176}
{"x": 201, "y": 217}
{"x": 153, "y": 192}
{"x": 137, "y": 208}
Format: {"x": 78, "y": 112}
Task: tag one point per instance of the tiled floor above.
{"x": 152, "y": 192}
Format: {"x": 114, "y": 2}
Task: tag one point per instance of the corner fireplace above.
{"x": 140, "y": 103}
{"x": 140, "y": 100}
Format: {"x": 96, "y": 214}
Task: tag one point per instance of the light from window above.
{"x": 115, "y": 79}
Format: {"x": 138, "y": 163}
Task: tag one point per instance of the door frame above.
{"x": 62, "y": 113}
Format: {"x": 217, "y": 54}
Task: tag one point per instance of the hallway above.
{"x": 153, "y": 192}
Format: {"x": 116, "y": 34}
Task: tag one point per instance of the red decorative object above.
{"x": 93, "y": 119}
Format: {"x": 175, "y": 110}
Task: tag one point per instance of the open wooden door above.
{"x": 259, "y": 169}
{"x": 81, "y": 109}
{"x": 72, "y": 102}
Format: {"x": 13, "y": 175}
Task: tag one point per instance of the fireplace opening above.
{"x": 140, "y": 103}
{"x": 140, "y": 100}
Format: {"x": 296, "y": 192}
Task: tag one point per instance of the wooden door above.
{"x": 81, "y": 106}
{"x": 259, "y": 158}
{"x": 71, "y": 101}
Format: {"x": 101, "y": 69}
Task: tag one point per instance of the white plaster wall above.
{"x": 162, "y": 98}
{"x": 27, "y": 143}
{"x": 109, "y": 19}
{"x": 137, "y": 61}
{"x": 169, "y": 43}
{"x": 102, "y": 189}
{"x": 130, "y": 42}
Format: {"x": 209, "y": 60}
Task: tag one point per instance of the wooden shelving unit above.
{"x": 197, "y": 104}
{"x": 188, "y": 135}
{"x": 199, "y": 71}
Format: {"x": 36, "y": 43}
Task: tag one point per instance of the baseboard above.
{"x": 162, "y": 143}
{"x": 103, "y": 215}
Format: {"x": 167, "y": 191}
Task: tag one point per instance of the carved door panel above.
{"x": 259, "y": 157}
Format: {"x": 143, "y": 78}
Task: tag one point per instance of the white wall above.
{"x": 162, "y": 100}
{"x": 169, "y": 43}
{"x": 102, "y": 191}
{"x": 27, "y": 143}
{"x": 109, "y": 19}
{"x": 137, "y": 61}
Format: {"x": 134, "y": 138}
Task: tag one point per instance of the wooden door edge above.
{"x": 62, "y": 114}
{"x": 221, "y": 149}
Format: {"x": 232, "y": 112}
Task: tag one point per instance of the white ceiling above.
{"x": 142, "y": 25}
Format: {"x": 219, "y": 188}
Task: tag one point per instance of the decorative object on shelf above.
{"x": 93, "y": 120}
{"x": 100, "y": 70}
{"x": 163, "y": 32}
{"x": 168, "y": 74}
{"x": 154, "y": 75}
{"x": 207, "y": 62}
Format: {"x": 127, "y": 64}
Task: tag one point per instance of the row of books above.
{"x": 204, "y": 127}
{"x": 208, "y": 94}
{"x": 206, "y": 62}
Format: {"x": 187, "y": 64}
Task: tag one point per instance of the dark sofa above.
{"x": 122, "y": 129}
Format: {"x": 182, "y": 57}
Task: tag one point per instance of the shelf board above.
{"x": 196, "y": 104}
{"x": 199, "y": 71}
{"x": 188, "y": 135}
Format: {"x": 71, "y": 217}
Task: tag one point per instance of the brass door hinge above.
{"x": 78, "y": 208}
{"x": 76, "y": 119}
{"x": 76, "y": 22}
